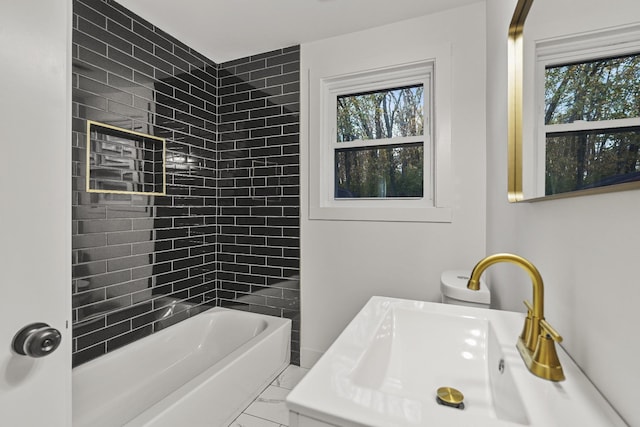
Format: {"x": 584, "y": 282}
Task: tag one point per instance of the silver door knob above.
{"x": 36, "y": 340}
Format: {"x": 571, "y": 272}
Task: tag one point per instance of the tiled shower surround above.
{"x": 227, "y": 231}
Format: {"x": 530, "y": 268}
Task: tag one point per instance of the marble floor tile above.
{"x": 271, "y": 405}
{"x": 290, "y": 377}
{"x": 245, "y": 420}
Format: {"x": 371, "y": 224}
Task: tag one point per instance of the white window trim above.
{"x": 621, "y": 41}
{"x": 434, "y": 206}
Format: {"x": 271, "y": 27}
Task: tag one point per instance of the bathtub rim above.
{"x": 274, "y": 325}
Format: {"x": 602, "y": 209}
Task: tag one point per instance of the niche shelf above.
{"x": 122, "y": 161}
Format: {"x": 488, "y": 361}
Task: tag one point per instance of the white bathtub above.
{"x": 202, "y": 371}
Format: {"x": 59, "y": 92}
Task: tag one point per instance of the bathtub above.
{"x": 202, "y": 371}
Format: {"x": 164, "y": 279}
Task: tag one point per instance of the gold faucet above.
{"x": 536, "y": 343}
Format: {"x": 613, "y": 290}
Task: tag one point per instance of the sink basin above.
{"x": 460, "y": 352}
{"x": 387, "y": 365}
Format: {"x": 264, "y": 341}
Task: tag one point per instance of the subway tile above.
{"x": 291, "y": 87}
{"x": 171, "y": 255}
{"x": 123, "y": 30}
{"x": 283, "y": 79}
{"x": 86, "y": 298}
{"x": 292, "y": 67}
{"x": 172, "y": 276}
{"x": 250, "y": 105}
{"x": 266, "y": 271}
{"x": 234, "y": 98}
{"x": 266, "y": 112}
{"x": 204, "y": 94}
{"x": 112, "y": 13}
{"x": 102, "y": 34}
{"x": 86, "y": 327}
{"x": 128, "y": 313}
{"x": 89, "y": 269}
{"x": 266, "y": 72}
{"x": 266, "y": 132}
{"x": 88, "y": 241}
{"x": 106, "y": 279}
{"x": 186, "y": 224}
{"x": 89, "y": 212}
{"x": 289, "y": 98}
{"x": 171, "y": 58}
{"x": 150, "y": 35}
{"x": 102, "y": 334}
{"x": 283, "y": 59}
{"x": 268, "y": 54}
{"x": 192, "y": 60}
{"x": 250, "y": 66}
{"x": 188, "y": 284}
{"x": 129, "y": 262}
{"x": 171, "y": 233}
{"x": 99, "y": 226}
{"x": 81, "y": 9}
{"x": 89, "y": 42}
{"x": 85, "y": 355}
{"x": 117, "y": 238}
{"x": 129, "y": 61}
{"x": 269, "y": 311}
{"x": 102, "y": 307}
{"x": 102, "y": 253}
{"x": 127, "y": 288}
{"x": 150, "y": 270}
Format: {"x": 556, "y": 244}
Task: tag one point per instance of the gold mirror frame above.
{"x": 515, "y": 104}
{"x": 515, "y": 117}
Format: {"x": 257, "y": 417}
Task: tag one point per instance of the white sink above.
{"x": 386, "y": 366}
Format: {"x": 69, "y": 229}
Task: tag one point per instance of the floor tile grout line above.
{"x": 272, "y": 384}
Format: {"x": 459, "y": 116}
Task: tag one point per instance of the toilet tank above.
{"x": 453, "y": 289}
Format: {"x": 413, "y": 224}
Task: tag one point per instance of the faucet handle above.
{"x": 550, "y": 330}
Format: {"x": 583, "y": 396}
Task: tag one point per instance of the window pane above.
{"x": 579, "y": 160}
{"x": 380, "y": 172}
{"x": 383, "y": 114}
{"x": 602, "y": 89}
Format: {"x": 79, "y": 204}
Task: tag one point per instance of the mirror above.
{"x": 574, "y": 98}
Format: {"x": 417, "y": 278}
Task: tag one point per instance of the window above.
{"x": 591, "y": 118}
{"x": 377, "y": 146}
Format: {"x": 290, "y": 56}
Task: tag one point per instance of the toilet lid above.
{"x": 453, "y": 284}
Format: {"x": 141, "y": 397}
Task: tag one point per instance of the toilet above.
{"x": 453, "y": 288}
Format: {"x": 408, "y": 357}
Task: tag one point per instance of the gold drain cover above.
{"x": 450, "y": 395}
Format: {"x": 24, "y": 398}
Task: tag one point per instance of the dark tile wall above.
{"x": 227, "y": 233}
{"x": 259, "y": 186}
{"x": 139, "y": 258}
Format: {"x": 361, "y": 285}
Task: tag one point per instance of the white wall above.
{"x": 344, "y": 263}
{"x": 584, "y": 247}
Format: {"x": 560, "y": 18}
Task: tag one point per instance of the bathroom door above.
{"x": 35, "y": 208}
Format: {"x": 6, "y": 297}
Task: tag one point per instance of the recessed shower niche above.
{"x": 123, "y": 161}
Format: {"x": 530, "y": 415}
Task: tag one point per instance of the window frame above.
{"x": 372, "y": 82}
{"x": 433, "y": 206}
{"x": 576, "y": 49}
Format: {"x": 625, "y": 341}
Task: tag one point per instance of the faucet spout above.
{"x": 536, "y": 343}
{"x": 536, "y": 278}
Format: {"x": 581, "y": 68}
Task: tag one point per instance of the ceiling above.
{"x": 223, "y": 30}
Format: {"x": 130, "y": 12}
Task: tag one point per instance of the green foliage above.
{"x": 381, "y": 171}
{"x": 389, "y": 171}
